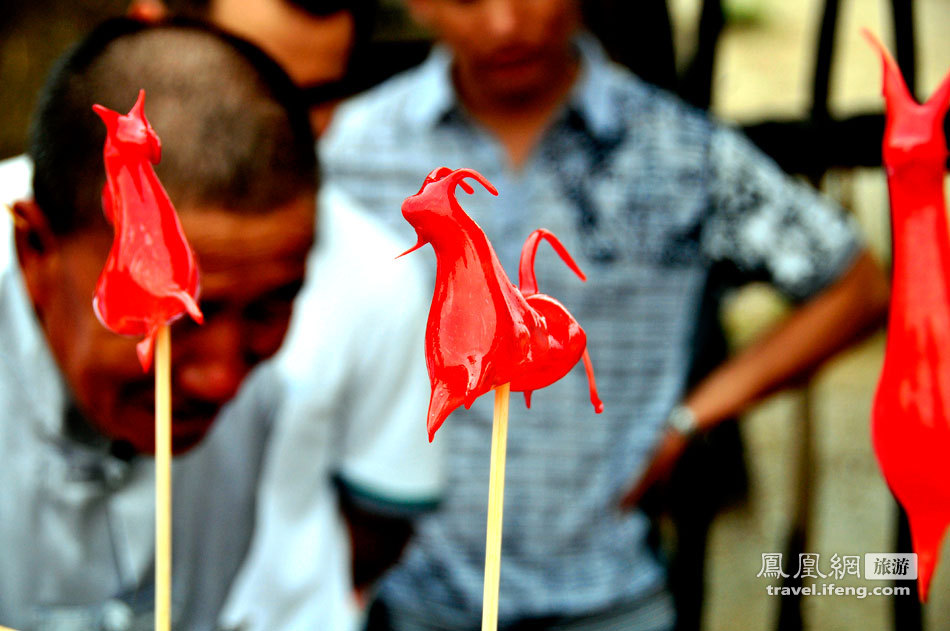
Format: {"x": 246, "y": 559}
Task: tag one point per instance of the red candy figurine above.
{"x": 482, "y": 331}
{"x": 911, "y": 415}
{"x": 151, "y": 276}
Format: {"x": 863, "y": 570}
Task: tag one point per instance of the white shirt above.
{"x": 258, "y": 542}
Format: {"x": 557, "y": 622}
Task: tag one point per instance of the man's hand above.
{"x": 668, "y": 451}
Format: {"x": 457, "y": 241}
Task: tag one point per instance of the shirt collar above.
{"x": 435, "y": 96}
{"x": 590, "y": 96}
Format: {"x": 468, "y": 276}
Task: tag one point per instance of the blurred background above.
{"x": 805, "y": 85}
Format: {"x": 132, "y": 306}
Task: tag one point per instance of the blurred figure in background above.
{"x": 318, "y": 42}
{"x": 649, "y": 195}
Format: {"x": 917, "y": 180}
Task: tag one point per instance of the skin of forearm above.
{"x": 851, "y": 308}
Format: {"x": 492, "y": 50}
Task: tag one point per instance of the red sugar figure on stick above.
{"x": 911, "y": 414}
{"x": 485, "y": 333}
{"x": 150, "y": 279}
{"x": 151, "y": 276}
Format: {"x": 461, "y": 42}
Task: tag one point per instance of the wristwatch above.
{"x": 682, "y": 421}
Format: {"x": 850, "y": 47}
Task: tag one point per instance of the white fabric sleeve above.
{"x": 387, "y": 464}
{"x": 296, "y": 574}
{"x": 353, "y": 410}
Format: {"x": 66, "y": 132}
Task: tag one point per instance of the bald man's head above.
{"x": 234, "y": 129}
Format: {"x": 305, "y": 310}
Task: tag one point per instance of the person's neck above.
{"x": 517, "y": 120}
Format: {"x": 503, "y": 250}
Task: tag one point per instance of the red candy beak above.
{"x": 421, "y": 242}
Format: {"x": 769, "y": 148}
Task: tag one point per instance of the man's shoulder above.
{"x": 16, "y": 175}
{"x": 349, "y": 233}
{"x": 378, "y": 114}
{"x": 355, "y": 262}
{"x": 354, "y": 290}
{"x": 657, "y": 110}
{"x": 615, "y": 92}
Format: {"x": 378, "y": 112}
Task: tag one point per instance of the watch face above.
{"x": 682, "y": 420}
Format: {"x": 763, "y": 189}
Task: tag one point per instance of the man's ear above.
{"x": 36, "y": 247}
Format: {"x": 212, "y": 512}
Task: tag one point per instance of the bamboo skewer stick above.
{"x": 496, "y": 501}
{"x": 163, "y": 482}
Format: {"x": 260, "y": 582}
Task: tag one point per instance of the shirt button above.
{"x": 116, "y": 616}
{"x": 115, "y": 473}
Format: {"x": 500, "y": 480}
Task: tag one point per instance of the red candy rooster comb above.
{"x": 151, "y": 275}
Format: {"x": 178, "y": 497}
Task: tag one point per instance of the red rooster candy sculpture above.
{"x": 483, "y": 331}
{"x": 151, "y": 275}
{"x": 911, "y": 415}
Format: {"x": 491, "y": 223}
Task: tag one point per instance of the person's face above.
{"x": 251, "y": 268}
{"x": 509, "y": 48}
{"x": 313, "y": 50}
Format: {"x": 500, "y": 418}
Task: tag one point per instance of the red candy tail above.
{"x": 527, "y": 282}
{"x": 594, "y": 397}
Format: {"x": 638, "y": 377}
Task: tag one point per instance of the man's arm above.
{"x": 847, "y": 310}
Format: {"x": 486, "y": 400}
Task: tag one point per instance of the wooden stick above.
{"x": 163, "y": 481}
{"x": 496, "y": 503}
